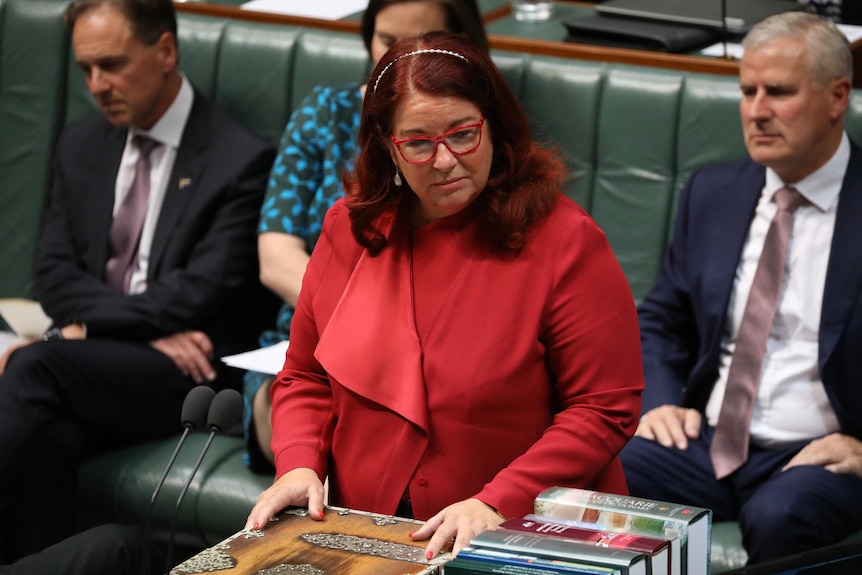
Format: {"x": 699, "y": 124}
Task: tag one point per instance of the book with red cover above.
{"x": 659, "y": 550}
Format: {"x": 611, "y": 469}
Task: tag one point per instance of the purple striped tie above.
{"x": 729, "y": 448}
{"x": 128, "y": 222}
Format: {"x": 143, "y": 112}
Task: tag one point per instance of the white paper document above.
{"x": 265, "y": 360}
{"x": 324, "y": 9}
{"x": 718, "y": 50}
{"x": 853, "y": 34}
{"x": 7, "y": 338}
{"x": 25, "y": 317}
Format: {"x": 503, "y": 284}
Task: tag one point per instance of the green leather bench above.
{"x": 630, "y": 136}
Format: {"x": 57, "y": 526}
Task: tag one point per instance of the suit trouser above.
{"x": 61, "y": 401}
{"x": 102, "y": 550}
{"x": 779, "y": 512}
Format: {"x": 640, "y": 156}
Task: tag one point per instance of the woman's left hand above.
{"x": 460, "y": 521}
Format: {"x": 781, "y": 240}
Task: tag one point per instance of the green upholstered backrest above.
{"x": 33, "y": 53}
{"x": 630, "y": 137}
{"x": 327, "y": 58}
{"x": 264, "y": 54}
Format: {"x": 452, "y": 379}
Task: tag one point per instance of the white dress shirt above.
{"x": 168, "y": 131}
{"x": 791, "y": 403}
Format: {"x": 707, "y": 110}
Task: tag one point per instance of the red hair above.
{"x": 525, "y": 180}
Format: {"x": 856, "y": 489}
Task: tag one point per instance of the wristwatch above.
{"x": 53, "y": 334}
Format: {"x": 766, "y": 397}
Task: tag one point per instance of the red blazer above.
{"x": 526, "y": 374}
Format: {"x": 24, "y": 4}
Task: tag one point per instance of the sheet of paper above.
{"x": 853, "y": 34}
{"x": 24, "y": 316}
{"x": 265, "y": 360}
{"x": 7, "y": 338}
{"x": 325, "y": 9}
{"x": 717, "y": 50}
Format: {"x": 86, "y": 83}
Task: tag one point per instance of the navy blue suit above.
{"x": 682, "y": 321}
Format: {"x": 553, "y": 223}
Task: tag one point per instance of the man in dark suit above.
{"x": 147, "y": 267}
{"x": 796, "y": 480}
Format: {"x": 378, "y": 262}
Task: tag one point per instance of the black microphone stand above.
{"x": 195, "y": 408}
{"x": 724, "y": 32}
{"x": 225, "y": 410}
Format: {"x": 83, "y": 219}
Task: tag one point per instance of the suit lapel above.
{"x": 731, "y": 214}
{"x": 184, "y": 179}
{"x": 104, "y": 168}
{"x": 844, "y": 273}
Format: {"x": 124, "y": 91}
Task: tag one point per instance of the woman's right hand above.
{"x": 299, "y": 487}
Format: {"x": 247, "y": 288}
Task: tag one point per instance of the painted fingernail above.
{"x": 411, "y": 534}
{"x": 429, "y": 554}
{"x": 256, "y": 526}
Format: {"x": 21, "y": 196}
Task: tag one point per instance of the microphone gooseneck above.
{"x": 193, "y": 416}
{"x": 724, "y": 28}
{"x": 224, "y": 412}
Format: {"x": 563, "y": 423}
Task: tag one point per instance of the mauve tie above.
{"x": 128, "y": 222}
{"x": 729, "y": 448}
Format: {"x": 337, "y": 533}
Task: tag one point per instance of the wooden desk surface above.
{"x": 345, "y": 542}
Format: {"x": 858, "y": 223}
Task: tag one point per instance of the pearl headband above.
{"x": 414, "y": 53}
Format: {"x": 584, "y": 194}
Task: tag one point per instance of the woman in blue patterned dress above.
{"x": 318, "y": 144}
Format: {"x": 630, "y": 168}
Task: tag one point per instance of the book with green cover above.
{"x": 689, "y": 526}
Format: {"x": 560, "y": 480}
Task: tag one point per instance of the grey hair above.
{"x": 827, "y": 50}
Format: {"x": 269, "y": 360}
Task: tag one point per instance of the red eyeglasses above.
{"x": 421, "y": 149}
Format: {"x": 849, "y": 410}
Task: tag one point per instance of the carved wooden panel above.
{"x": 346, "y": 542}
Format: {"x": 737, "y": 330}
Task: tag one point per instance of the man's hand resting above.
{"x": 836, "y": 452}
{"x": 191, "y": 352}
{"x": 670, "y": 425}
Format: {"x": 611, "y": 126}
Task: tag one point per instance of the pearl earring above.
{"x": 397, "y": 178}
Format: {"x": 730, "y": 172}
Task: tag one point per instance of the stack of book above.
{"x": 582, "y": 532}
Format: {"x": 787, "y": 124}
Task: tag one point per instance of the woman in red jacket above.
{"x": 464, "y": 337}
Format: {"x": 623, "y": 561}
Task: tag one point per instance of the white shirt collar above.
{"x": 821, "y": 188}
{"x": 169, "y": 128}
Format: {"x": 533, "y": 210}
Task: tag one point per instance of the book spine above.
{"x": 517, "y": 542}
{"x": 601, "y": 538}
{"x": 496, "y": 557}
{"x": 641, "y": 506}
{"x": 455, "y": 567}
{"x": 477, "y": 568}
{"x": 580, "y": 509}
{"x": 674, "y": 546}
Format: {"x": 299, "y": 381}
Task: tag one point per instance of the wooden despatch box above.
{"x": 346, "y": 542}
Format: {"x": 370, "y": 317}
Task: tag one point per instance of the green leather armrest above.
{"x": 117, "y": 487}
